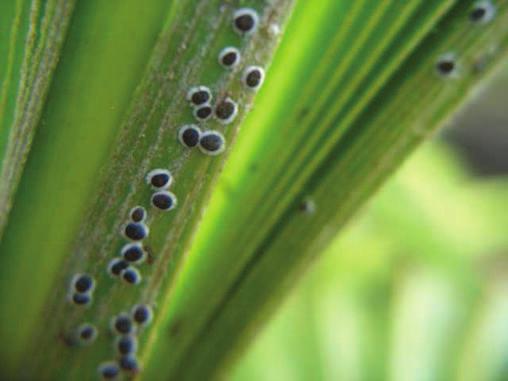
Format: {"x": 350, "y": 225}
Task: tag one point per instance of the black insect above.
{"x": 129, "y": 363}
{"x": 199, "y": 95}
{"x": 122, "y": 324}
{"x": 229, "y": 57}
{"x": 116, "y": 266}
{"x": 133, "y": 252}
{"x": 189, "y": 135}
{"x": 245, "y": 21}
{"x": 136, "y": 231}
{"x": 226, "y": 111}
{"x": 482, "y": 12}
{"x": 159, "y": 178}
{"x": 81, "y": 299}
{"x": 86, "y": 333}
{"x": 83, "y": 283}
{"x": 446, "y": 65}
{"x": 131, "y": 275}
{"x": 126, "y": 344}
{"x": 164, "y": 200}
{"x": 109, "y": 370}
{"x": 212, "y": 143}
{"x": 137, "y": 214}
{"x": 253, "y": 77}
{"x": 142, "y": 314}
{"x": 203, "y": 112}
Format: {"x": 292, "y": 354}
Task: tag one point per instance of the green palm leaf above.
{"x": 93, "y": 95}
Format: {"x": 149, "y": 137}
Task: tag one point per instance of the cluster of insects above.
{"x": 124, "y": 266}
{"x": 81, "y": 289}
{"x": 126, "y": 326}
{"x": 245, "y": 22}
{"x": 160, "y": 180}
{"x": 481, "y": 13}
{"x": 133, "y": 253}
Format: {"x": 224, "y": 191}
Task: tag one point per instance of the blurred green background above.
{"x": 416, "y": 288}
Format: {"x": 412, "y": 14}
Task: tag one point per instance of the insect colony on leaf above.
{"x": 126, "y": 326}
{"x": 245, "y": 22}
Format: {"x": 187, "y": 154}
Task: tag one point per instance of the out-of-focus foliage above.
{"x": 415, "y": 289}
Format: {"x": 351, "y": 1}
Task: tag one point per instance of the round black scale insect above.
{"x": 126, "y": 345}
{"x": 482, "y": 12}
{"x": 446, "y": 65}
{"x": 226, "y": 111}
{"x": 83, "y": 283}
{"x": 245, "y": 21}
{"x": 108, "y": 370}
{"x": 122, "y": 324}
{"x": 203, "y": 112}
{"x": 199, "y": 95}
{"x": 131, "y": 275}
{"x": 229, "y": 57}
{"x": 212, "y": 143}
{"x": 142, "y": 314}
{"x": 253, "y": 77}
{"x": 159, "y": 178}
{"x": 86, "y": 334}
{"x": 81, "y": 299}
{"x": 129, "y": 363}
{"x": 137, "y": 214}
{"x": 116, "y": 266}
{"x": 189, "y": 135}
{"x": 133, "y": 253}
{"x": 136, "y": 231}
{"x": 164, "y": 200}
